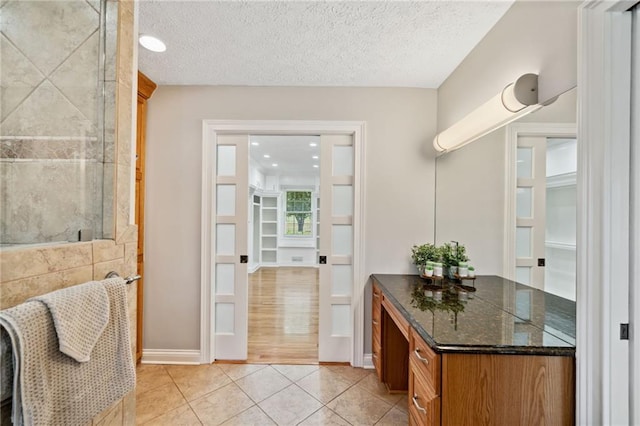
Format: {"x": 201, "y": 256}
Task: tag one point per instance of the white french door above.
{"x": 224, "y": 310}
{"x": 530, "y": 210}
{"x": 229, "y": 236}
{"x": 336, "y": 248}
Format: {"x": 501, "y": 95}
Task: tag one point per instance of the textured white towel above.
{"x": 80, "y": 314}
{"x": 51, "y": 388}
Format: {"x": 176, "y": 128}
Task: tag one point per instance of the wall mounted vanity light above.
{"x": 514, "y": 101}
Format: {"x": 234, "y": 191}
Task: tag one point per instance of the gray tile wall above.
{"x": 55, "y": 145}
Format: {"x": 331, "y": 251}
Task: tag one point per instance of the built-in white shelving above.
{"x": 269, "y": 230}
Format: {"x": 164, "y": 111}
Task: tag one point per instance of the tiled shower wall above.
{"x": 28, "y": 271}
{"x": 56, "y": 119}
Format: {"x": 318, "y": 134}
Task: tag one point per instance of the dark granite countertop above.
{"x": 501, "y": 316}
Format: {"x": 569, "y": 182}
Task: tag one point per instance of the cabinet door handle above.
{"x": 374, "y": 355}
{"x": 377, "y": 295}
{"x": 417, "y": 352}
{"x": 374, "y": 322}
{"x": 415, "y": 402}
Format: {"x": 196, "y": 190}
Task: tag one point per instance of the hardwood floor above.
{"x": 283, "y": 316}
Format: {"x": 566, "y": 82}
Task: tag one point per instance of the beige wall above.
{"x": 399, "y": 184}
{"x": 533, "y": 36}
{"x": 26, "y": 272}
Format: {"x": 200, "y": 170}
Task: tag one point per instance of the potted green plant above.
{"x": 421, "y": 254}
{"x": 428, "y": 271}
{"x": 451, "y": 255}
{"x": 472, "y": 272}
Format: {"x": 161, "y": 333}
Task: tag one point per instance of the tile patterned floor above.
{"x": 251, "y": 394}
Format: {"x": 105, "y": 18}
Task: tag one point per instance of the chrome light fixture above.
{"x": 514, "y": 101}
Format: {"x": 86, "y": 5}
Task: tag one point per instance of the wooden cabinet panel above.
{"x": 395, "y": 355}
{"x": 376, "y": 327}
{"x": 424, "y": 404}
{"x": 424, "y": 361}
{"x": 483, "y": 389}
{"x": 145, "y": 90}
{"x": 398, "y": 319}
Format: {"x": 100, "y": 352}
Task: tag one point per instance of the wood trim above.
{"x": 146, "y": 87}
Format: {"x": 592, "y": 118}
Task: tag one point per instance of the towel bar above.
{"x": 128, "y": 280}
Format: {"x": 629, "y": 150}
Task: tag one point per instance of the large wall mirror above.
{"x": 510, "y": 198}
{"x": 57, "y": 121}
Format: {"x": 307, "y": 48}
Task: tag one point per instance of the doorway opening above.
{"x": 226, "y": 208}
{"x": 283, "y": 239}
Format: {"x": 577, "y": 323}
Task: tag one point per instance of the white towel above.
{"x": 51, "y": 388}
{"x": 80, "y": 314}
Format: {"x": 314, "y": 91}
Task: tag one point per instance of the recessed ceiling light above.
{"x": 267, "y": 156}
{"x": 152, "y": 43}
{"x": 255, "y": 143}
{"x": 275, "y": 164}
{"x": 316, "y": 166}
{"x": 315, "y": 157}
{"x": 312, "y": 144}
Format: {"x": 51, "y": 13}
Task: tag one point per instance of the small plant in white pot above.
{"x": 428, "y": 271}
{"x": 472, "y": 272}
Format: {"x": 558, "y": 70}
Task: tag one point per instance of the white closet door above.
{"x": 336, "y": 248}
{"x": 530, "y": 210}
{"x": 230, "y": 249}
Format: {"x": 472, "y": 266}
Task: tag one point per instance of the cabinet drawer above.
{"x": 424, "y": 405}
{"x": 424, "y": 361}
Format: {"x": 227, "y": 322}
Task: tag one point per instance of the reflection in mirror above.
{"x": 510, "y": 198}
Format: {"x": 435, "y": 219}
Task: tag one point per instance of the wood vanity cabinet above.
{"x": 460, "y": 387}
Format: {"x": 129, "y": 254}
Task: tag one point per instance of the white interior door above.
{"x": 530, "y": 210}
{"x": 229, "y": 233}
{"x": 336, "y": 248}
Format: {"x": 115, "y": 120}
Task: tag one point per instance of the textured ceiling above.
{"x": 296, "y": 43}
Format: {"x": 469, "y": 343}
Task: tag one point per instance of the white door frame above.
{"x": 513, "y": 132}
{"x": 210, "y": 130}
{"x": 603, "y": 242}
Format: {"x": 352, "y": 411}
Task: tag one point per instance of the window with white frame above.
{"x": 298, "y": 214}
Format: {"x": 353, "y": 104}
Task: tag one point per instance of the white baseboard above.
{"x": 367, "y": 362}
{"x": 170, "y": 356}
